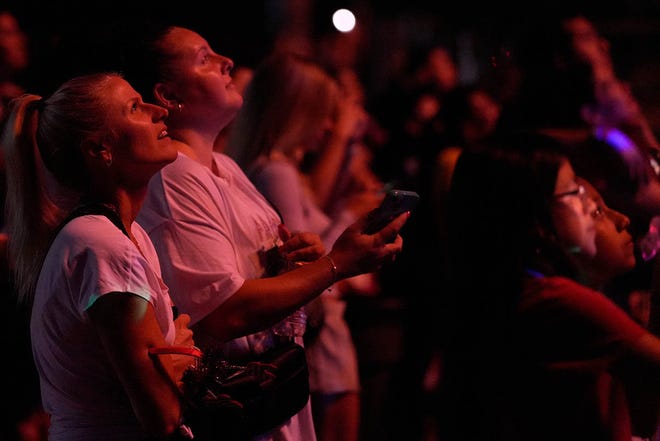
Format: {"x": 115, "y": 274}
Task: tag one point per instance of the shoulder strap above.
{"x": 94, "y": 208}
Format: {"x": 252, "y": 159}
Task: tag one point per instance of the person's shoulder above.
{"x": 184, "y": 172}
{"x": 558, "y": 290}
{"x": 555, "y": 288}
{"x": 95, "y": 230}
{"x": 181, "y": 164}
{"x": 276, "y": 168}
{"x": 560, "y": 282}
{"x": 225, "y": 162}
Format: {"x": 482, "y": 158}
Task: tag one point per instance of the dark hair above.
{"x": 144, "y": 60}
{"x": 281, "y": 81}
{"x": 500, "y": 224}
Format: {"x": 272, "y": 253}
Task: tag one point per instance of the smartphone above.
{"x": 395, "y": 202}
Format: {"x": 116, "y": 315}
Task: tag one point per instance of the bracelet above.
{"x": 333, "y": 268}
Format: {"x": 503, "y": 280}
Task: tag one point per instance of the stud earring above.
{"x": 179, "y": 106}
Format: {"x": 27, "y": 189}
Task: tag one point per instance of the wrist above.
{"x": 333, "y": 269}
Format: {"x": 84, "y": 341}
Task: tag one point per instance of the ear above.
{"x": 96, "y": 151}
{"x": 165, "y": 97}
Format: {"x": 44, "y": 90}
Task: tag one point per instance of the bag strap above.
{"x": 193, "y": 351}
{"x": 94, "y": 208}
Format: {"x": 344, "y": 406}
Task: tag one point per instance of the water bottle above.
{"x": 292, "y": 326}
{"x": 649, "y": 244}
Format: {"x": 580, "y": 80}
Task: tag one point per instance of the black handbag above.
{"x": 228, "y": 400}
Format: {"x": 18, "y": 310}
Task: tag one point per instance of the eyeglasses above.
{"x": 580, "y": 192}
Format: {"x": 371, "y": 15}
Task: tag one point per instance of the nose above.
{"x": 621, "y": 221}
{"x": 159, "y": 112}
{"x": 226, "y": 64}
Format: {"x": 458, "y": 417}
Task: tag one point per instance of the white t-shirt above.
{"x": 211, "y": 229}
{"x": 89, "y": 258}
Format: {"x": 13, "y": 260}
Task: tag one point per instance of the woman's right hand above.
{"x": 355, "y": 252}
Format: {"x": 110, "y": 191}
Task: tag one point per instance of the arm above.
{"x": 127, "y": 327}
{"x": 358, "y": 187}
{"x": 213, "y": 243}
{"x": 329, "y": 165}
{"x": 260, "y": 303}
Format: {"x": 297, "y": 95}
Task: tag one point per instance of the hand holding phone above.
{"x": 395, "y": 203}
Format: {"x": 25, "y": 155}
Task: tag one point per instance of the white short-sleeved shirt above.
{"x": 89, "y": 258}
{"x": 211, "y": 229}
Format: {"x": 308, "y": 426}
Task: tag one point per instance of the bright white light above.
{"x": 344, "y": 20}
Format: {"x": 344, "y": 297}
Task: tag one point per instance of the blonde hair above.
{"x": 46, "y": 171}
{"x": 285, "y": 102}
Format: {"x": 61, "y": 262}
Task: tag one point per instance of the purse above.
{"x": 227, "y": 400}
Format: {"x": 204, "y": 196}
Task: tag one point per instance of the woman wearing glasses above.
{"x": 541, "y": 357}
{"x": 615, "y": 254}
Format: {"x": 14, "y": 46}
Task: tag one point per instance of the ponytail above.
{"x": 46, "y": 171}
{"x": 30, "y": 211}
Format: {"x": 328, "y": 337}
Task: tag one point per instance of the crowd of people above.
{"x": 159, "y": 194}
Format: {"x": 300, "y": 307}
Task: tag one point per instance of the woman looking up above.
{"x": 98, "y": 303}
{"x": 540, "y": 350}
{"x": 226, "y": 257}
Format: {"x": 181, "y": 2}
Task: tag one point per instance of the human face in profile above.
{"x": 201, "y": 80}
{"x": 138, "y": 142}
{"x": 614, "y": 244}
{"x": 572, "y": 213}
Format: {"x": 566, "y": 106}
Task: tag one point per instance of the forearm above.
{"x": 327, "y": 168}
{"x": 260, "y": 303}
{"x": 127, "y": 328}
{"x": 156, "y": 397}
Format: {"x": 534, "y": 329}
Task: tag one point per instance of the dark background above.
{"x": 64, "y": 33}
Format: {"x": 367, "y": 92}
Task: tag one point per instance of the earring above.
{"x": 179, "y": 106}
